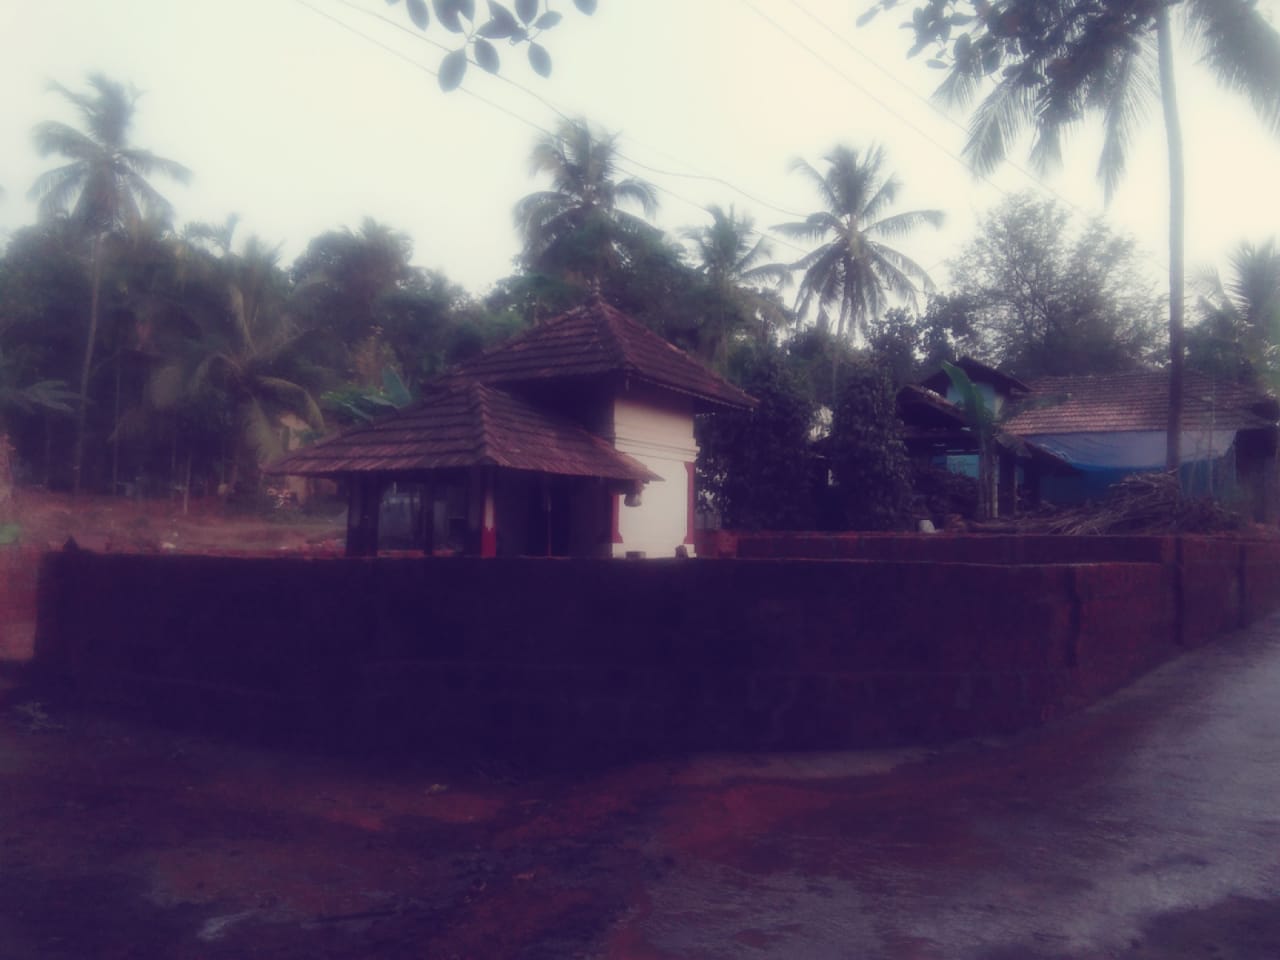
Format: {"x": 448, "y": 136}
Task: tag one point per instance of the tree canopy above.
{"x": 1046, "y": 295}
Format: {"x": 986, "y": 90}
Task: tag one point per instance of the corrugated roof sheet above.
{"x": 1110, "y": 403}
{"x": 465, "y": 424}
{"x": 595, "y": 340}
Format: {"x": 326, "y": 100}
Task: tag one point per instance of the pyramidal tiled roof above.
{"x": 597, "y": 339}
{"x": 1138, "y": 400}
{"x": 465, "y": 423}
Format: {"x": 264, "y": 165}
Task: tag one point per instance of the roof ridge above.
{"x": 662, "y": 341}
{"x": 618, "y": 342}
{"x": 487, "y": 440}
{"x": 501, "y": 346}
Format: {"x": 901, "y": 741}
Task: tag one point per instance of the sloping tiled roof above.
{"x": 594, "y": 340}
{"x": 465, "y": 424}
{"x": 1139, "y": 400}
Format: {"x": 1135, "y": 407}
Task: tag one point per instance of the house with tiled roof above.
{"x": 1107, "y": 426}
{"x": 574, "y": 438}
{"x": 1067, "y": 439}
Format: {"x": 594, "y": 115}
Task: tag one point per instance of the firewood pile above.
{"x": 1140, "y": 503}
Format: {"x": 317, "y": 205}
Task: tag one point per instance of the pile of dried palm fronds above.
{"x": 1140, "y": 503}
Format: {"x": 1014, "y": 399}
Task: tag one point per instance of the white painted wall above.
{"x": 657, "y": 429}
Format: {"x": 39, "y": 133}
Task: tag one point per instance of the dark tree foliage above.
{"x": 1048, "y": 298}
{"x": 344, "y": 277}
{"x": 818, "y": 356}
{"x": 911, "y": 346}
{"x": 44, "y": 297}
{"x": 755, "y": 467}
{"x": 520, "y": 23}
{"x": 1238, "y": 333}
{"x": 868, "y": 461}
{"x": 893, "y": 340}
{"x": 658, "y": 288}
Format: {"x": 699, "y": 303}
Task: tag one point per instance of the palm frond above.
{"x": 1242, "y": 49}
{"x": 996, "y": 124}
{"x": 144, "y": 163}
{"x": 54, "y": 189}
{"x": 809, "y": 172}
{"x": 900, "y": 224}
{"x": 295, "y": 397}
{"x": 53, "y": 137}
{"x": 259, "y": 433}
{"x": 1128, "y": 95}
{"x": 819, "y": 225}
{"x": 772, "y": 273}
{"x": 640, "y": 192}
{"x": 885, "y": 195}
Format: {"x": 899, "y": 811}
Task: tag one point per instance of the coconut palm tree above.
{"x": 344, "y": 278}
{"x": 734, "y": 259}
{"x": 853, "y": 270}
{"x": 105, "y": 187}
{"x": 1058, "y": 60}
{"x": 579, "y": 228}
{"x": 1238, "y": 334}
{"x": 243, "y": 357}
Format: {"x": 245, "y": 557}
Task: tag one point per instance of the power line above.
{"x": 938, "y": 111}
{"x": 530, "y": 123}
{"x": 862, "y": 89}
{"x": 701, "y": 175}
{"x": 446, "y": 49}
{"x": 419, "y": 66}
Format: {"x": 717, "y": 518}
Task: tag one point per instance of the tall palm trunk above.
{"x": 115, "y": 430}
{"x": 1177, "y": 237}
{"x": 77, "y": 455}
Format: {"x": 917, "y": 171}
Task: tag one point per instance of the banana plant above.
{"x": 983, "y": 423}
{"x": 363, "y": 405}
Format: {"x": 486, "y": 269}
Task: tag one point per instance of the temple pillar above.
{"x": 482, "y": 514}
{"x": 364, "y": 500}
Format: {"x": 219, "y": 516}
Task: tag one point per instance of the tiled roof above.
{"x": 1139, "y": 400}
{"x": 597, "y": 340}
{"x": 465, "y": 424}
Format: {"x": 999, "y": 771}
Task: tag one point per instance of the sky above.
{"x": 303, "y": 116}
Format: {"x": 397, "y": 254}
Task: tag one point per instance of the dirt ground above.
{"x": 209, "y": 525}
{"x": 1144, "y": 828}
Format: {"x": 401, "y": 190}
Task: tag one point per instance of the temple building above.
{"x": 574, "y": 438}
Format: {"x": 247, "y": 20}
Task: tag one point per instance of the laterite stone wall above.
{"x": 580, "y": 658}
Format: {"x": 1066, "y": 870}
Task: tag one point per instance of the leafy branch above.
{"x": 523, "y": 25}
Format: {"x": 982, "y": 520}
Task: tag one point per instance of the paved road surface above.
{"x": 1148, "y": 827}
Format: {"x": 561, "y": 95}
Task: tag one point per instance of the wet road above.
{"x": 1149, "y": 826}
{"x": 1146, "y": 827}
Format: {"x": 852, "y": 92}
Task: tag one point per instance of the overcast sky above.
{"x": 307, "y": 115}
